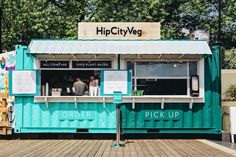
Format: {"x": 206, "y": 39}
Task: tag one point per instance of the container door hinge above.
{"x": 162, "y": 103}
{"x": 104, "y": 102}
{"x": 191, "y": 104}
{"x": 46, "y": 101}
{"x": 75, "y": 100}
{"x": 133, "y": 103}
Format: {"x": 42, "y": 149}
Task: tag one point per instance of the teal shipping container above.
{"x": 167, "y": 86}
{"x": 178, "y": 117}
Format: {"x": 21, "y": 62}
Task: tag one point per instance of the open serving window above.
{"x": 60, "y": 77}
{"x": 163, "y": 77}
{"x": 162, "y": 71}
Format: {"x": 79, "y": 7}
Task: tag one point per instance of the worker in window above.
{"x": 80, "y": 87}
{"x": 93, "y": 86}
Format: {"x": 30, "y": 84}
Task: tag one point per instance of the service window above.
{"x": 61, "y": 81}
{"x": 162, "y": 78}
{"x": 72, "y": 77}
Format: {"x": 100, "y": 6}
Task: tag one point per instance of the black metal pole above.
{"x": 117, "y": 125}
{"x": 219, "y": 22}
{"x": 219, "y": 43}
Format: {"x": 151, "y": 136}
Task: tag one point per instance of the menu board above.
{"x": 54, "y": 64}
{"x": 91, "y": 64}
{"x": 23, "y": 82}
{"x": 115, "y": 81}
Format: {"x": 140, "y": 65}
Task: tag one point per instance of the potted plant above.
{"x": 137, "y": 92}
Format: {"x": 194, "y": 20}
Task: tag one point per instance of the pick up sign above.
{"x": 162, "y": 115}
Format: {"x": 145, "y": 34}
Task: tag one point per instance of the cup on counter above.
{"x": 68, "y": 90}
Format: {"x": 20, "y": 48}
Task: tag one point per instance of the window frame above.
{"x": 135, "y": 78}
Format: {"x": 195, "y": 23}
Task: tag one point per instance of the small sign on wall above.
{"x": 75, "y": 115}
{"x": 54, "y": 64}
{"x": 91, "y": 64}
{"x": 162, "y": 115}
{"x": 24, "y": 82}
{"x": 116, "y": 81}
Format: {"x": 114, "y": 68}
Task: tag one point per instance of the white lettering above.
{"x": 88, "y": 114}
{"x": 156, "y": 114}
{"x": 171, "y": 114}
{"x": 64, "y": 114}
{"x": 176, "y": 114}
{"x": 77, "y": 114}
{"x": 71, "y": 114}
{"x": 162, "y": 115}
{"x": 146, "y": 114}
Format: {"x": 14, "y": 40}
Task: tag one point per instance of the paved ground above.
{"x": 142, "y": 148}
{"x": 226, "y": 144}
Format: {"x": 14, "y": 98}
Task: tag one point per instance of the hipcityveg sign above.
{"x": 119, "y": 30}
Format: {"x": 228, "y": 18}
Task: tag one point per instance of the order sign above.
{"x": 23, "y": 82}
{"x": 115, "y": 81}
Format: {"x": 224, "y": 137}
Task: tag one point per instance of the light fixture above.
{"x": 73, "y": 56}
{"x": 194, "y": 85}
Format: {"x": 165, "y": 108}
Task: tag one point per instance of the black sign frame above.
{"x": 92, "y": 64}
{"x": 54, "y": 64}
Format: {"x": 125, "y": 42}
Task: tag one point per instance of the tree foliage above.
{"x": 229, "y": 59}
{"x": 27, "y": 19}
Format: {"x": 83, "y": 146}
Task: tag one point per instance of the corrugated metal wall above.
{"x": 65, "y": 117}
{"x": 203, "y": 118}
{"x": 146, "y": 117}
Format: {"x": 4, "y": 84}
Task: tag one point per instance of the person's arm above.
{"x": 86, "y": 87}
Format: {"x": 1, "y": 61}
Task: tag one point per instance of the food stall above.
{"x": 168, "y": 86}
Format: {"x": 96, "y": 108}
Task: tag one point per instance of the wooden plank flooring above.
{"x": 102, "y": 148}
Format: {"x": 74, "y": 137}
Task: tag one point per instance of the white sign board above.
{"x": 119, "y": 30}
{"x": 232, "y": 113}
{"x": 23, "y": 82}
{"x": 115, "y": 81}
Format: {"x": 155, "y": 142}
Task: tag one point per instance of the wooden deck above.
{"x": 142, "y": 148}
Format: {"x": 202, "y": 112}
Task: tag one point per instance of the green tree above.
{"x": 27, "y": 19}
{"x": 229, "y": 59}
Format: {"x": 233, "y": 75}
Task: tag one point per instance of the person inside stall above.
{"x": 93, "y": 86}
{"x": 80, "y": 87}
